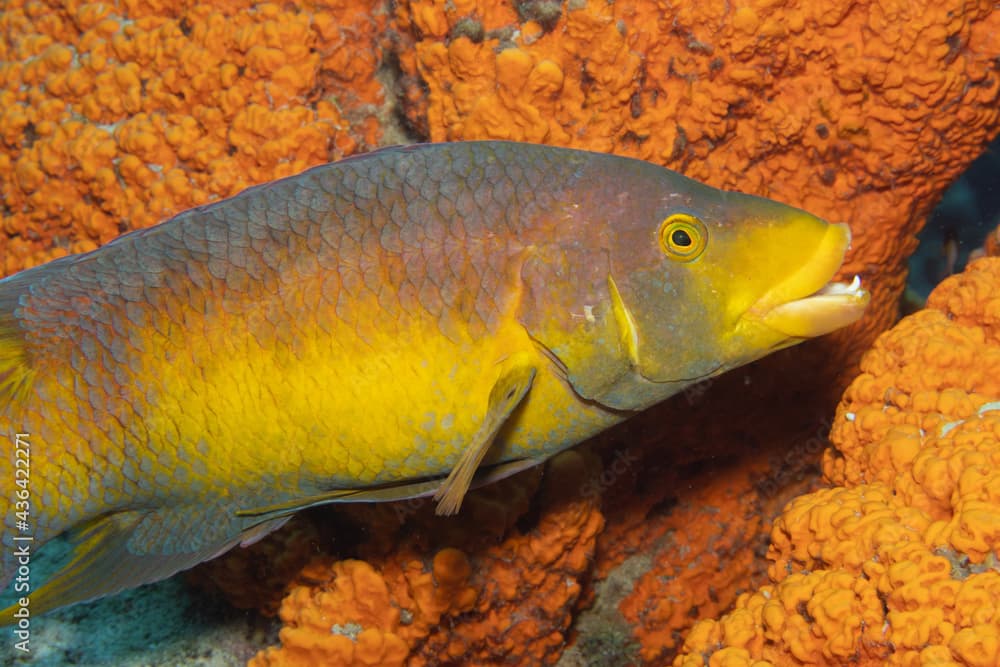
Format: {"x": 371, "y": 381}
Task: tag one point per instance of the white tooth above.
{"x": 834, "y": 289}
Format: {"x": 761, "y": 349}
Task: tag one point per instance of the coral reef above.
{"x": 897, "y": 563}
{"x": 478, "y": 602}
{"x": 348, "y": 621}
{"x": 699, "y": 555}
{"x": 113, "y": 119}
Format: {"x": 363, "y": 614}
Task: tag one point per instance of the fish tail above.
{"x": 122, "y": 550}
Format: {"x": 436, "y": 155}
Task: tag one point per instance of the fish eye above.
{"x": 683, "y": 237}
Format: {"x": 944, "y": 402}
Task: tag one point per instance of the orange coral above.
{"x": 698, "y": 561}
{"x": 348, "y": 621}
{"x": 991, "y": 245}
{"x": 510, "y": 600}
{"x": 112, "y": 119}
{"x": 684, "y": 534}
{"x": 899, "y": 563}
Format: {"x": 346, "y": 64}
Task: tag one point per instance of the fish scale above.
{"x": 374, "y": 329}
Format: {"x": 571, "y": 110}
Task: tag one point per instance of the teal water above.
{"x": 968, "y": 211}
{"x": 166, "y": 623}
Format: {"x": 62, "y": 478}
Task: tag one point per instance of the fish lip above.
{"x": 832, "y": 307}
{"x": 808, "y": 303}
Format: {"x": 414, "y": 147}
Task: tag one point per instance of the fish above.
{"x": 950, "y": 251}
{"x": 410, "y": 322}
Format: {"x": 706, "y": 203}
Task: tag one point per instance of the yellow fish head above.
{"x": 722, "y": 282}
{"x": 679, "y": 282}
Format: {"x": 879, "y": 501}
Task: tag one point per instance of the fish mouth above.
{"x": 808, "y": 303}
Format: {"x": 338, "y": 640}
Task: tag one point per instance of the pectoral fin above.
{"x": 507, "y": 393}
{"x": 516, "y": 377}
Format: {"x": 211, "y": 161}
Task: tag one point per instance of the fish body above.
{"x": 377, "y": 328}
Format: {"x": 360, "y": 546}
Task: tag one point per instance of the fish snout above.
{"x": 808, "y": 303}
